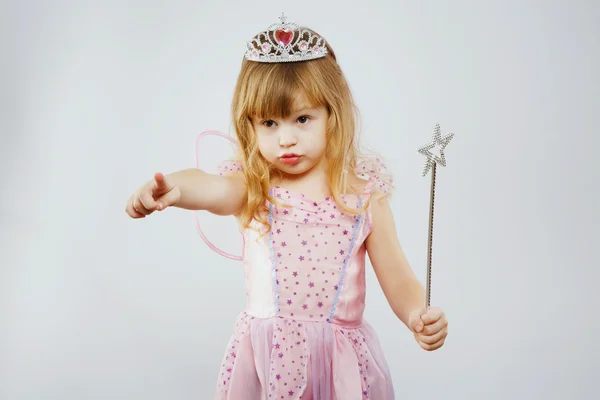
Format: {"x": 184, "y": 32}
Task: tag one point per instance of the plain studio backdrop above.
{"x": 97, "y": 96}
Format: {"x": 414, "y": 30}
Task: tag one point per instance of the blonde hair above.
{"x": 268, "y": 90}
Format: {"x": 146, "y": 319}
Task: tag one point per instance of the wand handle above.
{"x": 430, "y": 246}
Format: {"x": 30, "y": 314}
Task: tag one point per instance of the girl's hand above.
{"x": 154, "y": 195}
{"x": 430, "y": 327}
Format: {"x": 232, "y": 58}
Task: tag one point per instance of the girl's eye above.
{"x": 269, "y": 122}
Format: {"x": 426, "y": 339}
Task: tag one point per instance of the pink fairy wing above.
{"x": 222, "y": 168}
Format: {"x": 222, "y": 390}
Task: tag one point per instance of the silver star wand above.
{"x": 430, "y": 164}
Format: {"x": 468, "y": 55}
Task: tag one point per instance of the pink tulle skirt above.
{"x": 281, "y": 358}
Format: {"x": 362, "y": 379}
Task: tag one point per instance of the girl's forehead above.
{"x": 302, "y": 102}
{"x": 301, "y": 106}
{"x": 282, "y": 104}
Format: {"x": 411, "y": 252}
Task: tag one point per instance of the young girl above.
{"x": 310, "y": 207}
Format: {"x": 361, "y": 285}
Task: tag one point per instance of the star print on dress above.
{"x": 302, "y": 334}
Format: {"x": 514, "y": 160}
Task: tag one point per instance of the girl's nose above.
{"x": 287, "y": 138}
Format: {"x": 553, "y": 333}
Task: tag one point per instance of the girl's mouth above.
{"x": 290, "y": 158}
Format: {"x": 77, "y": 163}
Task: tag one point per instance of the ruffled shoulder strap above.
{"x": 374, "y": 170}
{"x": 229, "y": 166}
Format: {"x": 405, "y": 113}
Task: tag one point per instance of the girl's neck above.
{"x": 313, "y": 181}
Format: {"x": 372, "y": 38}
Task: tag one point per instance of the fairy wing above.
{"x": 222, "y": 168}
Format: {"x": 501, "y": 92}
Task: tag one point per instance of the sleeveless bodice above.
{"x": 302, "y": 335}
{"x": 311, "y": 264}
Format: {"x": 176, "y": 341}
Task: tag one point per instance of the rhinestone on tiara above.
{"x": 285, "y": 42}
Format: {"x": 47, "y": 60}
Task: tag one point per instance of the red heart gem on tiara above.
{"x": 283, "y": 36}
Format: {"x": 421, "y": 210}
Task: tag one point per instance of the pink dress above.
{"x": 302, "y": 334}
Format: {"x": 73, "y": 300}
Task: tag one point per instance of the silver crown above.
{"x": 285, "y": 42}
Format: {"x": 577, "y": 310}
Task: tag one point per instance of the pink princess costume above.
{"x": 302, "y": 334}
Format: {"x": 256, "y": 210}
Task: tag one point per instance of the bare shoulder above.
{"x": 381, "y": 218}
{"x": 380, "y": 205}
{"x": 232, "y": 185}
{"x": 233, "y": 174}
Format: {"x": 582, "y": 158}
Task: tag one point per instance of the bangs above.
{"x": 279, "y": 90}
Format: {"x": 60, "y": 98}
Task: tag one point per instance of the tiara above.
{"x": 285, "y": 42}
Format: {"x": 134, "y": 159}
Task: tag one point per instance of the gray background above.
{"x": 97, "y": 96}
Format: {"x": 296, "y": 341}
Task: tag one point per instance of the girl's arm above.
{"x": 401, "y": 288}
{"x": 218, "y": 194}
{"x": 192, "y": 189}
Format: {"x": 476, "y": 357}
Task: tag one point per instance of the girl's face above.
{"x": 295, "y": 145}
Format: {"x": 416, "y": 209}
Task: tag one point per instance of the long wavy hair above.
{"x": 268, "y": 90}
